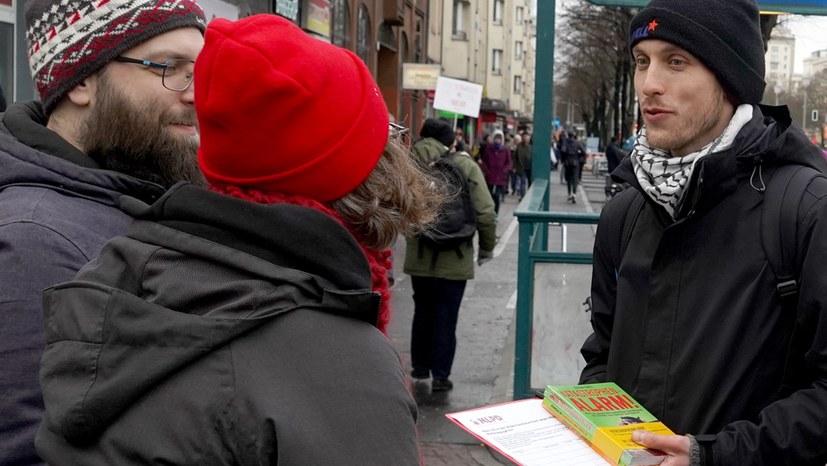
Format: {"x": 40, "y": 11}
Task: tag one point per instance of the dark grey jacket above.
{"x": 688, "y": 320}
{"x": 56, "y": 211}
{"x": 223, "y": 332}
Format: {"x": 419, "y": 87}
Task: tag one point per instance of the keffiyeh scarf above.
{"x": 664, "y": 177}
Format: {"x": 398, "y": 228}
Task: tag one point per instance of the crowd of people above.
{"x": 179, "y": 289}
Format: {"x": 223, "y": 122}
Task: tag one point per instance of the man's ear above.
{"x": 83, "y": 94}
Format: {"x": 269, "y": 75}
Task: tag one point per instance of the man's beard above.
{"x": 135, "y": 140}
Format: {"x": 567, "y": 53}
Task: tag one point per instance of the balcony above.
{"x": 393, "y": 12}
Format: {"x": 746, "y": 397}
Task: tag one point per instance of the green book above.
{"x": 606, "y": 416}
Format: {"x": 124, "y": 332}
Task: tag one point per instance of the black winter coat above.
{"x": 688, "y": 320}
{"x": 222, "y": 332}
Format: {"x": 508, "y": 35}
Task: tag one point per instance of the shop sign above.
{"x": 318, "y": 17}
{"x": 288, "y": 8}
{"x": 420, "y": 76}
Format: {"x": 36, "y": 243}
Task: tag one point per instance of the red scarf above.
{"x": 380, "y": 261}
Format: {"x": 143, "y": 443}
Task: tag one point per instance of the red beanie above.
{"x": 281, "y": 111}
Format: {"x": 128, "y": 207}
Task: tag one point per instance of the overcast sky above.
{"x": 810, "y": 35}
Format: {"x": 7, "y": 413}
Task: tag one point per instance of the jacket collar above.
{"x": 27, "y": 122}
{"x": 284, "y": 235}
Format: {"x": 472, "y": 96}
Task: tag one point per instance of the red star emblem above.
{"x": 653, "y": 25}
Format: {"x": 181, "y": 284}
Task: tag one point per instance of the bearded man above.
{"x": 116, "y": 118}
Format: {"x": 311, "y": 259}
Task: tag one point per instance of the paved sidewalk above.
{"x": 483, "y": 367}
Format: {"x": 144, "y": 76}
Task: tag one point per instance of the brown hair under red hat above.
{"x": 319, "y": 123}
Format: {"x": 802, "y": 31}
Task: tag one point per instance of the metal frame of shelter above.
{"x": 532, "y": 214}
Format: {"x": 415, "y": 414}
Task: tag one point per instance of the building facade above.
{"x": 815, "y": 63}
{"x": 383, "y": 33}
{"x": 780, "y": 60}
{"x": 487, "y": 42}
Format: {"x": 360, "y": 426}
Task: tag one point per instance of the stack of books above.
{"x": 605, "y": 416}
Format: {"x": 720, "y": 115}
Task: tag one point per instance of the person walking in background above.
{"x": 558, "y": 143}
{"x": 570, "y": 153}
{"x": 438, "y": 277}
{"x": 496, "y": 164}
{"x": 485, "y": 140}
{"x": 581, "y": 157}
{"x": 522, "y": 160}
{"x": 513, "y": 177}
{"x": 694, "y": 314}
{"x": 460, "y": 139}
{"x": 115, "y": 119}
{"x": 613, "y": 157}
{"x": 239, "y": 327}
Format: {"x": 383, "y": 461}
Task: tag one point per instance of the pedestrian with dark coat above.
{"x": 103, "y": 129}
{"x": 522, "y": 163}
{"x": 485, "y": 140}
{"x": 571, "y": 153}
{"x": 690, "y": 315}
{"x": 613, "y": 157}
{"x": 243, "y": 325}
{"x": 496, "y": 164}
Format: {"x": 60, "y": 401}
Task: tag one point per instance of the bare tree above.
{"x": 596, "y": 71}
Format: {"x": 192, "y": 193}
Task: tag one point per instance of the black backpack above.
{"x": 457, "y": 220}
{"x": 571, "y": 152}
{"x": 779, "y": 230}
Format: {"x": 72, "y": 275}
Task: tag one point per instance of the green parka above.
{"x": 449, "y": 264}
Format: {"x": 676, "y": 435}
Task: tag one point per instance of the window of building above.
{"x": 341, "y": 22}
{"x": 497, "y": 61}
{"x": 518, "y": 85}
{"x": 498, "y": 11}
{"x": 518, "y": 50}
{"x": 363, "y": 39}
{"x": 462, "y": 12}
{"x": 7, "y": 61}
{"x": 518, "y": 15}
{"x": 774, "y": 48}
{"x": 418, "y": 39}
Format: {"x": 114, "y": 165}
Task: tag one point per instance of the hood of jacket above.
{"x": 768, "y": 140}
{"x": 196, "y": 271}
{"x": 33, "y": 155}
{"x": 429, "y": 150}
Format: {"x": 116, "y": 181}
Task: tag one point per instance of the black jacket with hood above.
{"x": 57, "y": 209}
{"x": 689, "y": 321}
{"x": 219, "y": 331}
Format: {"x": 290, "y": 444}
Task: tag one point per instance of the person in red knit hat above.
{"x": 243, "y": 324}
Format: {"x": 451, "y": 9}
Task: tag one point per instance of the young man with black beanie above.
{"x": 691, "y": 313}
{"x": 116, "y": 117}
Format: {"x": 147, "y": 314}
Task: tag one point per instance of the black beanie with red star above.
{"x": 724, "y": 34}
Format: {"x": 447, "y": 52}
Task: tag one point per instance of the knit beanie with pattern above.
{"x": 724, "y": 34}
{"x": 69, "y": 40}
{"x": 283, "y": 112}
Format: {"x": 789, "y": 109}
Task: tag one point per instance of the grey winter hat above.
{"x": 724, "y": 34}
